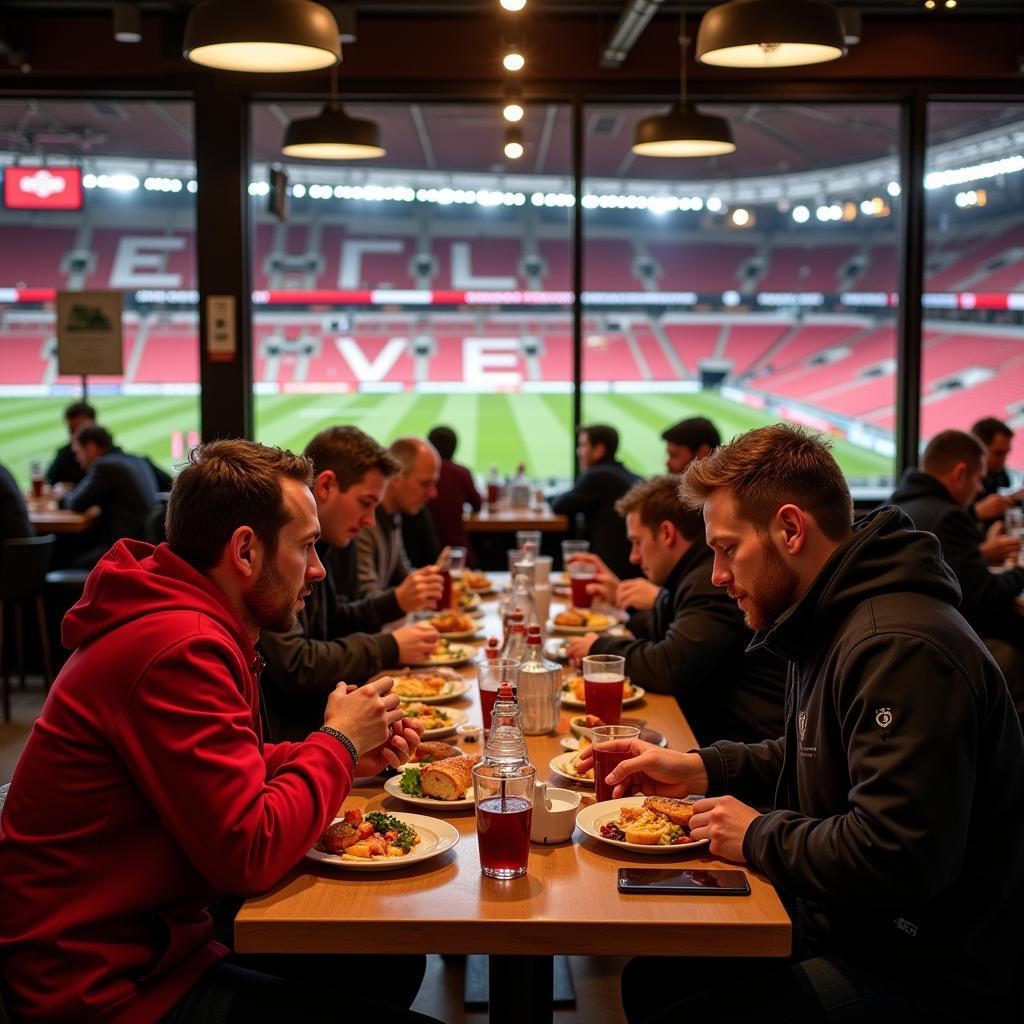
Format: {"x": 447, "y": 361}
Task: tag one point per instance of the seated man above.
{"x": 330, "y": 640}
{"x": 897, "y": 787}
{"x": 147, "y": 786}
{"x": 65, "y": 468}
{"x": 689, "y": 637}
{"x": 990, "y": 505}
{"x": 602, "y": 481}
{"x": 380, "y": 553}
{"x": 455, "y": 490}
{"x": 688, "y": 440}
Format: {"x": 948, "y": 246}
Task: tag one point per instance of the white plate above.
{"x": 569, "y": 701}
{"x": 555, "y": 648}
{"x": 462, "y": 634}
{"x": 560, "y": 766}
{"x": 436, "y": 837}
{"x": 456, "y": 687}
{"x": 590, "y": 819}
{"x": 393, "y": 786}
{"x": 553, "y": 627}
{"x": 460, "y": 654}
{"x": 455, "y": 719}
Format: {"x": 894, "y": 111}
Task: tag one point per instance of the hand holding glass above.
{"x": 610, "y": 749}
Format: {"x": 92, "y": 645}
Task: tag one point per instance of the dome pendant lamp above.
{"x": 333, "y": 134}
{"x": 770, "y": 34}
{"x": 262, "y": 35}
{"x": 684, "y": 130}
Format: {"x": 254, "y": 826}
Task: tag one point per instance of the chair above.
{"x": 23, "y": 576}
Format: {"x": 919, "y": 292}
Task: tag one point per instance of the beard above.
{"x": 778, "y": 586}
{"x": 271, "y": 601}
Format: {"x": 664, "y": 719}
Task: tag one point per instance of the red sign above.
{"x": 43, "y": 188}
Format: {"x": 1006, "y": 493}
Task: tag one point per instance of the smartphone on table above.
{"x": 688, "y": 882}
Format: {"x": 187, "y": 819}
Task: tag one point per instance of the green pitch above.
{"x": 500, "y": 429}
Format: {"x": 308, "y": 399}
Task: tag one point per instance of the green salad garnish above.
{"x": 411, "y": 782}
{"x": 384, "y": 823}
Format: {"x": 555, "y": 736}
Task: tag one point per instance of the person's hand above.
{"x": 420, "y": 589}
{"x": 724, "y": 820}
{"x": 650, "y": 770}
{"x": 997, "y": 546}
{"x": 605, "y": 583}
{"x": 579, "y": 647}
{"x": 637, "y": 593}
{"x": 992, "y": 506}
{"x": 395, "y": 752}
{"x": 365, "y": 714}
{"x": 415, "y": 643}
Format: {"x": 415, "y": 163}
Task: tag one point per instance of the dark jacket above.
{"x": 692, "y": 645}
{"x": 987, "y": 596}
{"x": 594, "y": 496}
{"x": 65, "y": 468}
{"x": 419, "y": 538}
{"x": 899, "y": 784}
{"x": 305, "y": 664}
{"x": 14, "y": 521}
{"x": 455, "y": 488}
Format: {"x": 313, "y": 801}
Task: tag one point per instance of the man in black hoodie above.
{"x": 896, "y": 792}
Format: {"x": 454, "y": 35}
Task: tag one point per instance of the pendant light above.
{"x": 770, "y": 34}
{"x": 684, "y": 130}
{"x": 262, "y": 35}
{"x": 333, "y": 134}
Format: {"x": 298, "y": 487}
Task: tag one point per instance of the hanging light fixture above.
{"x": 684, "y": 130}
{"x": 127, "y": 22}
{"x": 333, "y": 134}
{"x": 512, "y": 108}
{"x": 262, "y": 35}
{"x": 770, "y": 34}
{"x": 514, "y": 143}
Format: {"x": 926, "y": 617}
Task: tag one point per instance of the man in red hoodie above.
{"x": 146, "y": 787}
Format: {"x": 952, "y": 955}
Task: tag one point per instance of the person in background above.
{"x": 333, "y": 639}
{"x": 65, "y": 468}
{"x": 14, "y": 521}
{"x": 455, "y": 490}
{"x": 997, "y": 438}
{"x": 688, "y": 635}
{"x": 688, "y": 440}
{"x": 380, "y": 554}
{"x": 602, "y": 481}
{"x": 896, "y": 790}
{"x": 147, "y": 786}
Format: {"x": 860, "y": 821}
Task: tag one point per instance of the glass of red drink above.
{"x": 581, "y": 574}
{"x": 604, "y": 676}
{"x": 38, "y": 478}
{"x": 491, "y": 674}
{"x": 611, "y": 747}
{"x": 504, "y": 812}
{"x": 445, "y": 600}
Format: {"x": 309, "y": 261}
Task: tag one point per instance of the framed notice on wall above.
{"x": 89, "y": 333}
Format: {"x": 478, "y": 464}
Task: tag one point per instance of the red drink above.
{"x": 37, "y": 486}
{"x": 604, "y": 761}
{"x": 446, "y": 590}
{"x": 602, "y": 695}
{"x": 487, "y": 699}
{"x": 504, "y": 835}
{"x": 580, "y": 597}
{"x": 493, "y": 493}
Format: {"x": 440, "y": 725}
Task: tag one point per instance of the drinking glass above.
{"x": 607, "y": 740}
{"x": 604, "y": 676}
{"x": 38, "y": 478}
{"x": 542, "y": 570}
{"x": 580, "y": 575}
{"x": 573, "y": 547}
{"x": 504, "y": 812}
{"x": 514, "y": 555}
{"x": 529, "y": 538}
{"x": 456, "y": 561}
{"x": 1014, "y": 522}
{"x": 490, "y": 674}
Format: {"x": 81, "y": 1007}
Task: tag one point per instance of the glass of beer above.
{"x": 604, "y": 676}
{"x": 609, "y": 750}
{"x": 504, "y": 812}
{"x": 581, "y": 575}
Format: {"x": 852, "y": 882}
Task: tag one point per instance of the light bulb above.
{"x": 514, "y": 150}
{"x": 513, "y": 111}
{"x": 513, "y": 61}
{"x": 513, "y": 5}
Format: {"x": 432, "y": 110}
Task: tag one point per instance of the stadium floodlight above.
{"x": 770, "y": 34}
{"x": 801, "y": 214}
{"x": 740, "y": 217}
{"x": 262, "y": 35}
{"x": 714, "y": 204}
{"x": 893, "y": 188}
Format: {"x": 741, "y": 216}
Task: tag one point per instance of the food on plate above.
{"x": 434, "y": 750}
{"x": 453, "y": 622}
{"x": 573, "y": 687}
{"x": 582, "y": 618}
{"x": 476, "y": 580}
{"x": 371, "y": 837}
{"x": 449, "y": 779}
{"x": 447, "y": 651}
{"x": 679, "y": 812}
{"x": 422, "y": 684}
{"x": 650, "y": 825}
{"x": 429, "y": 716}
{"x": 574, "y": 761}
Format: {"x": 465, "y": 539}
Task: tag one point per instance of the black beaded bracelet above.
{"x": 344, "y": 741}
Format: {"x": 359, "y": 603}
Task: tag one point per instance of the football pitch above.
{"x": 499, "y": 429}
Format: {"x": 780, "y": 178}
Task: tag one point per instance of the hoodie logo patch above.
{"x": 801, "y": 724}
{"x": 883, "y": 719}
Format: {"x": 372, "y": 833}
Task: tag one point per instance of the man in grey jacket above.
{"x": 305, "y": 664}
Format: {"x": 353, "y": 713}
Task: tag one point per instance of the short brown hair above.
{"x": 349, "y": 454}
{"x": 657, "y": 501}
{"x": 989, "y": 428}
{"x": 769, "y": 467}
{"x": 948, "y": 448}
{"x": 93, "y": 433}
{"x": 228, "y": 484}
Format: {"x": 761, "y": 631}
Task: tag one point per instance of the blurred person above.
{"x": 602, "y": 481}
{"x": 895, "y": 793}
{"x": 381, "y": 558}
{"x": 65, "y": 468}
{"x": 991, "y": 506}
{"x": 14, "y": 520}
{"x": 688, "y": 636}
{"x": 334, "y": 638}
{"x": 455, "y": 490}
{"x": 687, "y": 440}
{"x": 147, "y": 785}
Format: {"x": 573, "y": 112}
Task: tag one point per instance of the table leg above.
{"x": 520, "y": 989}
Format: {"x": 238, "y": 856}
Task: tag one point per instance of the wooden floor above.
{"x": 596, "y": 979}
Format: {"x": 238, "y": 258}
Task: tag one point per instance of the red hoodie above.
{"x": 145, "y": 787}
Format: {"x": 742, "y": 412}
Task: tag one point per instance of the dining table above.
{"x": 47, "y": 517}
{"x": 566, "y": 903}
{"x": 505, "y": 518}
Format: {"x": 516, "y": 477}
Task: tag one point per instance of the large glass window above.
{"x": 748, "y": 288}
{"x": 427, "y": 287}
{"x": 99, "y": 196}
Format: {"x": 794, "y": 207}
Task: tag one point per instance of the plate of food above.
{"x": 436, "y": 721}
{"x": 578, "y": 621}
{"x": 643, "y": 824}
{"x": 573, "y": 693}
{"x": 454, "y": 625}
{"x": 581, "y": 726}
{"x": 447, "y": 652}
{"x": 565, "y": 766}
{"x": 557, "y": 648}
{"x": 446, "y": 784}
{"x": 469, "y": 601}
{"x": 382, "y": 842}
{"x": 478, "y": 582}
{"x": 429, "y": 686}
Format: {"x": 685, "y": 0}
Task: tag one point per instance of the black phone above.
{"x": 691, "y": 882}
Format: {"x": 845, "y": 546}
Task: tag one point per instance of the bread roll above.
{"x": 679, "y": 812}
{"x": 448, "y": 779}
{"x": 434, "y": 750}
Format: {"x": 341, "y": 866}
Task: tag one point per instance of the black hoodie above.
{"x": 898, "y": 787}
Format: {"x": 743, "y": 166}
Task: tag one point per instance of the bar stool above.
{"x": 23, "y": 576}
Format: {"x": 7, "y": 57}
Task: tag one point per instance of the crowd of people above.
{"x": 847, "y": 682}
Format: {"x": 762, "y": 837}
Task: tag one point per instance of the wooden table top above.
{"x": 566, "y": 903}
{"x": 46, "y": 517}
{"x": 505, "y": 518}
